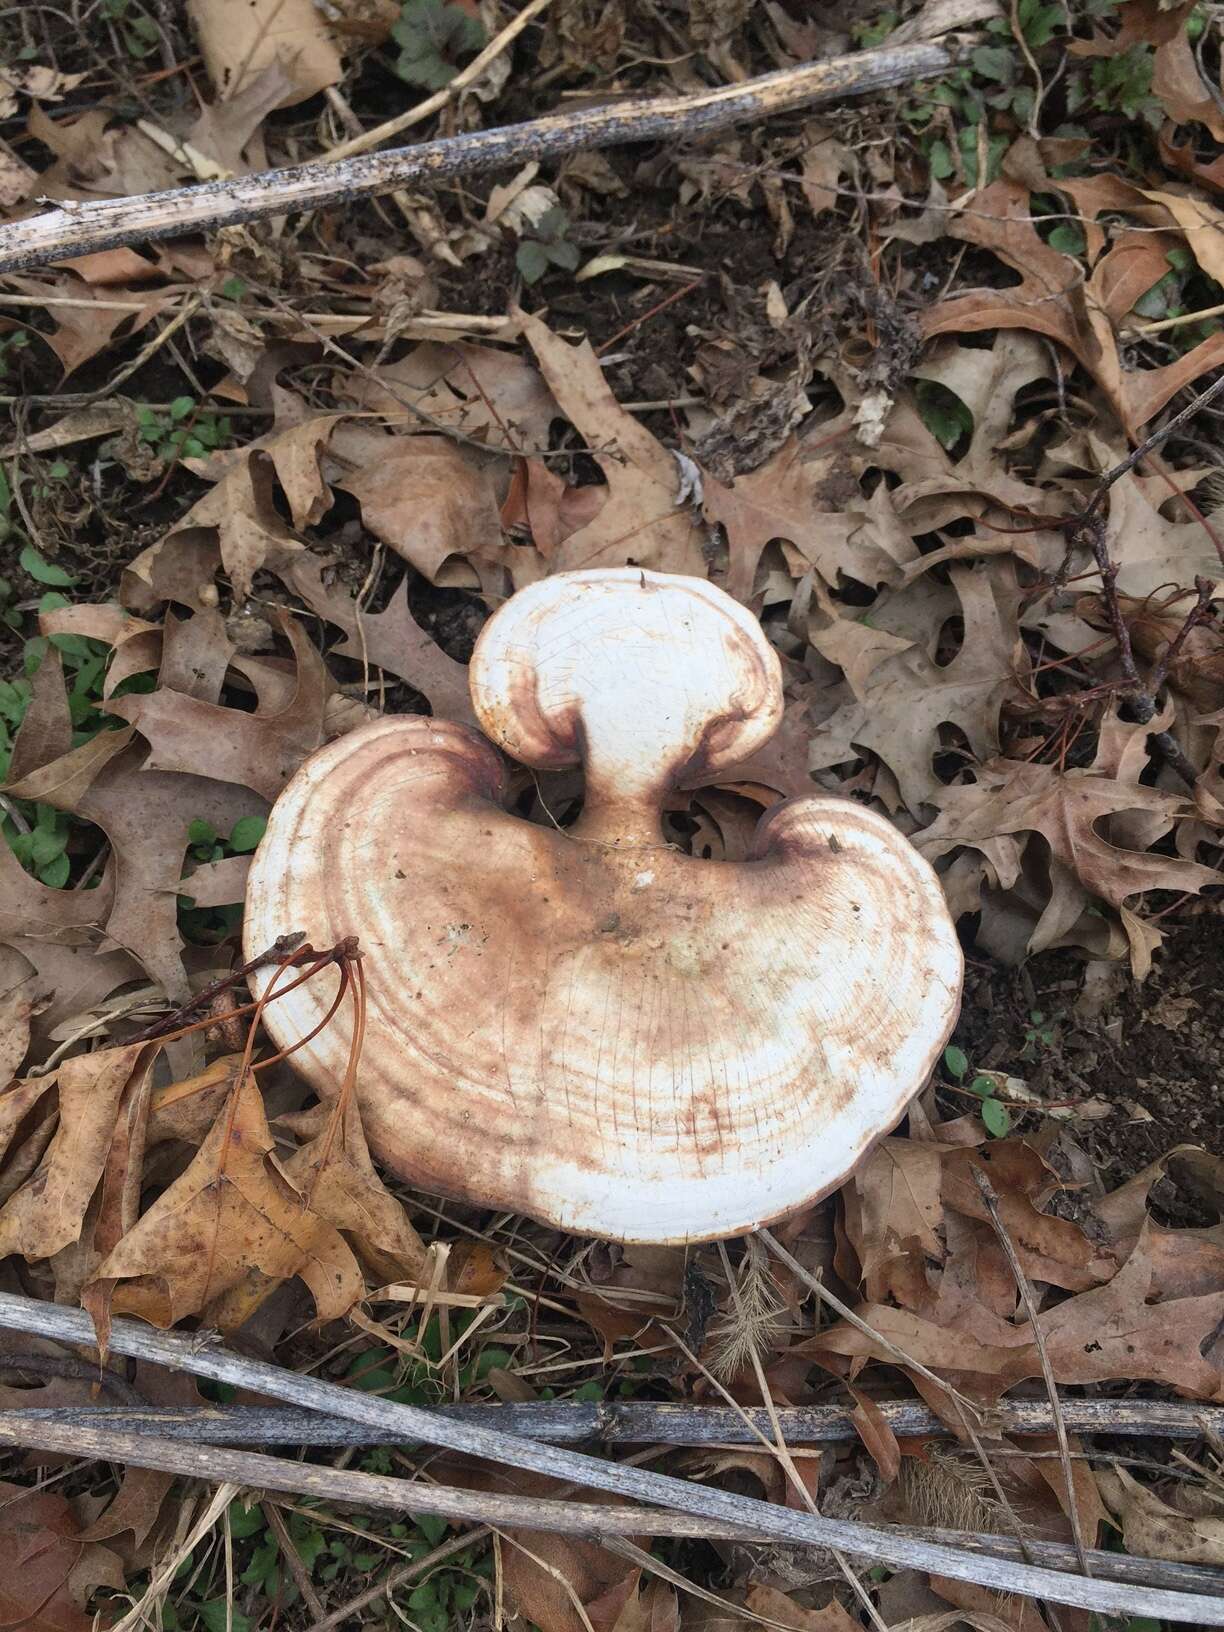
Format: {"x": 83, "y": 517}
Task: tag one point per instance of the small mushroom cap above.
{"x": 590, "y": 1026}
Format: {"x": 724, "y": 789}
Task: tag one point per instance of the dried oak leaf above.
{"x": 786, "y": 499}
{"x": 1126, "y": 1329}
{"x": 45, "y": 732}
{"x": 894, "y": 1211}
{"x": 1051, "y": 1249}
{"x": 259, "y": 751}
{"x": 908, "y": 697}
{"x": 1151, "y": 553}
{"x": 232, "y": 1212}
{"x": 1153, "y": 1529}
{"x": 46, "y": 1213}
{"x": 145, "y": 814}
{"x": 1065, "y": 807}
{"x": 436, "y": 507}
{"x": 642, "y": 521}
{"x": 1054, "y": 298}
{"x": 335, "y": 1171}
{"x": 241, "y": 509}
{"x": 85, "y": 327}
{"x": 50, "y": 1569}
{"x": 494, "y": 397}
{"x": 391, "y": 639}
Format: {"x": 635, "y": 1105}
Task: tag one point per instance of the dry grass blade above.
{"x": 844, "y": 1310}
{"x": 1030, "y": 1309}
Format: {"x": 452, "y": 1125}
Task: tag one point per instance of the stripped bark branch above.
{"x": 78, "y": 229}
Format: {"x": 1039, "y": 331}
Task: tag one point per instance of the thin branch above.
{"x": 639, "y": 1422}
{"x": 688, "y": 1501}
{"x": 1137, "y": 455}
{"x": 599, "y": 1522}
{"x": 1029, "y": 1305}
{"x": 110, "y": 223}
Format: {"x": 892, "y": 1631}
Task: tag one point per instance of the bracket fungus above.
{"x": 590, "y": 1026}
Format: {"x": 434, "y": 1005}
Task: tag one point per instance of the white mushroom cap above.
{"x": 590, "y": 1026}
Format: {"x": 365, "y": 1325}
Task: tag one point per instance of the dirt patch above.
{"x": 1154, "y": 1053}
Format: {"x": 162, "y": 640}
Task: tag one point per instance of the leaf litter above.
{"x": 885, "y": 359}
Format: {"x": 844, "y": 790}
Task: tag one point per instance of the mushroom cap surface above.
{"x": 589, "y": 1026}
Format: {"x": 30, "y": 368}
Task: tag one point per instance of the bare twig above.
{"x": 1198, "y": 614}
{"x": 991, "y": 1199}
{"x": 691, "y": 1506}
{"x": 765, "y": 1522}
{"x": 1137, "y": 455}
{"x": 109, "y": 223}
{"x": 282, "y": 947}
{"x": 1086, "y": 531}
{"x": 639, "y": 1422}
{"x": 365, "y": 140}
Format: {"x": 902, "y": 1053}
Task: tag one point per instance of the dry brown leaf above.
{"x": 1178, "y": 81}
{"x": 145, "y": 814}
{"x": 1053, "y": 299}
{"x": 335, "y": 1172}
{"x": 495, "y": 397}
{"x": 642, "y": 521}
{"x": 1125, "y": 1329}
{"x": 17, "y": 1004}
{"x": 1050, "y": 1249}
{"x": 231, "y": 1213}
{"x": 894, "y": 1210}
{"x": 66, "y": 781}
{"x": 1153, "y": 1529}
{"x": 909, "y": 697}
{"x": 50, "y": 1568}
{"x": 238, "y": 43}
{"x": 785, "y": 499}
{"x": 85, "y": 328}
{"x": 45, "y": 732}
{"x": 47, "y": 1213}
{"x": 259, "y": 751}
{"x": 432, "y": 503}
{"x": 1067, "y": 808}
{"x": 767, "y": 1605}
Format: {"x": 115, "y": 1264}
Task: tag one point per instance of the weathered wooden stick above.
{"x": 630, "y": 1422}
{"x": 589, "y": 1519}
{"x": 78, "y": 229}
{"x": 409, "y": 1422}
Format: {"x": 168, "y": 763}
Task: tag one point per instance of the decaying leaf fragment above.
{"x": 1153, "y": 1529}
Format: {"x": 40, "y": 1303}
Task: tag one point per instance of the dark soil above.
{"x": 1154, "y": 1052}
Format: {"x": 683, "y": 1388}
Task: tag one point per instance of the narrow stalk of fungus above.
{"x": 589, "y": 1026}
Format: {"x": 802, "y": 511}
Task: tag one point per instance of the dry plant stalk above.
{"x": 83, "y": 228}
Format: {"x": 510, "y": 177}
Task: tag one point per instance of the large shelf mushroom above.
{"x": 590, "y": 1026}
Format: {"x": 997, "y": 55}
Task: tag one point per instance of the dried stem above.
{"x": 991, "y": 1199}
{"x": 111, "y": 223}
{"x": 688, "y": 1508}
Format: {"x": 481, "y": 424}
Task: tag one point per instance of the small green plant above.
{"x": 1038, "y": 1034}
{"x": 545, "y": 245}
{"x": 134, "y": 26}
{"x": 996, "y": 1118}
{"x": 9, "y": 343}
{"x": 434, "y": 37}
{"x": 944, "y": 414}
{"x": 867, "y": 35}
{"x": 182, "y": 431}
{"x": 207, "y": 926}
{"x": 1123, "y": 84}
